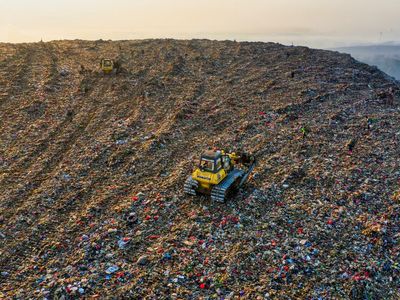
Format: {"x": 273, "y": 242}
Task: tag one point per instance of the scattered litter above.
{"x": 91, "y": 176}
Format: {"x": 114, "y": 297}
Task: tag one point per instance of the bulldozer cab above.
{"x": 211, "y": 162}
{"x": 107, "y": 65}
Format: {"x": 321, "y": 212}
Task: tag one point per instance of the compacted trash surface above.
{"x": 92, "y": 168}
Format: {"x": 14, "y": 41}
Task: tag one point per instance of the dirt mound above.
{"x": 92, "y": 168}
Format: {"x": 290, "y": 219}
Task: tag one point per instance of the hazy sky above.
{"x": 320, "y": 23}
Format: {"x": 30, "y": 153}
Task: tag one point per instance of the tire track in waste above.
{"x": 29, "y": 189}
{"x": 80, "y": 198}
{"x": 24, "y": 164}
{"x": 56, "y": 160}
{"x": 21, "y": 167}
{"x": 21, "y": 77}
{"x": 41, "y": 175}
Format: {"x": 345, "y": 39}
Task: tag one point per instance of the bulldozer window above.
{"x": 107, "y": 63}
{"x": 207, "y": 165}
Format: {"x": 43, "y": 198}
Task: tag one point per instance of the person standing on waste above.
{"x": 351, "y": 144}
{"x": 305, "y": 130}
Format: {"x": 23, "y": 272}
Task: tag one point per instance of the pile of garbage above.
{"x": 92, "y": 168}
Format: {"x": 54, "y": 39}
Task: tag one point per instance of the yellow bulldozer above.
{"x": 218, "y": 174}
{"x": 107, "y": 65}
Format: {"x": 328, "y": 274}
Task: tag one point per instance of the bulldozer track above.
{"x": 191, "y": 186}
{"x": 221, "y": 190}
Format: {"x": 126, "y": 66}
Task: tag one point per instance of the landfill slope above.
{"x": 92, "y": 168}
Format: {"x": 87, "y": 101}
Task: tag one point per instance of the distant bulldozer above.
{"x": 107, "y": 65}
